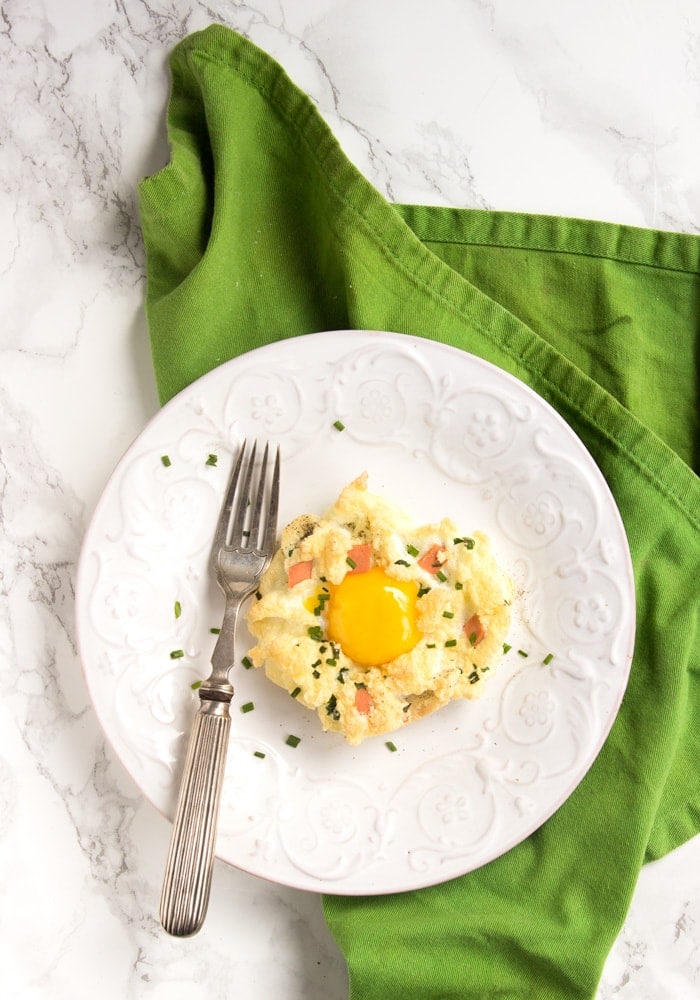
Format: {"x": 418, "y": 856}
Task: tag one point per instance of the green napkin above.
{"x": 258, "y": 229}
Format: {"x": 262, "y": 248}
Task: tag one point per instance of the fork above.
{"x": 243, "y": 544}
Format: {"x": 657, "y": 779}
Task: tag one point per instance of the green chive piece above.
{"x": 259, "y": 753}
{"x": 450, "y": 642}
{"x": 247, "y": 662}
{"x": 391, "y": 747}
{"x": 177, "y": 609}
{"x": 177, "y": 654}
{"x": 422, "y": 591}
{"x": 472, "y": 638}
{"x": 296, "y": 692}
{"x": 521, "y": 652}
{"x": 469, "y": 542}
{"x": 447, "y": 614}
{"x": 507, "y": 647}
{"x": 212, "y": 460}
{"x": 165, "y": 459}
{"x": 459, "y": 586}
{"x": 339, "y": 425}
{"x": 401, "y": 562}
{"x": 412, "y": 550}
{"x": 441, "y": 576}
{"x": 196, "y": 685}
{"x": 215, "y": 631}
{"x": 351, "y": 563}
{"x": 430, "y": 645}
{"x": 548, "y": 659}
{"x": 248, "y": 707}
{"x": 293, "y": 741}
{"x": 315, "y": 632}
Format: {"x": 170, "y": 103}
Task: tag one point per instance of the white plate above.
{"x": 441, "y": 433}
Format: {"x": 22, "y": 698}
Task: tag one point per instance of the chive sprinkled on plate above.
{"x": 214, "y": 630}
{"x": 521, "y": 652}
{"x": 548, "y": 659}
{"x": 259, "y": 754}
{"x": 339, "y": 425}
{"x": 196, "y": 685}
{"x": 177, "y": 609}
{"x": 177, "y": 654}
{"x": 247, "y": 662}
{"x": 248, "y": 707}
{"x": 391, "y": 746}
{"x": 507, "y": 647}
{"x": 293, "y": 741}
{"x": 296, "y": 692}
{"x": 165, "y": 459}
{"x": 212, "y": 460}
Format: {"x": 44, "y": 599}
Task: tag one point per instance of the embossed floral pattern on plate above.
{"x": 442, "y": 433}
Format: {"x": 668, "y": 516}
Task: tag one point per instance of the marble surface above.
{"x": 574, "y": 109}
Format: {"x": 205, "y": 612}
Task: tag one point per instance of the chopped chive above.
{"x": 296, "y": 692}
{"x": 177, "y": 654}
{"x": 339, "y": 425}
{"x": 448, "y": 614}
{"x": 316, "y": 664}
{"x": 360, "y": 686}
{"x": 430, "y": 645}
{"x": 332, "y": 707}
{"x": 507, "y": 647}
{"x": 472, "y": 638}
{"x": 473, "y": 677}
{"x": 315, "y": 674}
{"x": 391, "y": 747}
{"x": 215, "y": 631}
{"x": 332, "y": 661}
{"x": 293, "y": 741}
{"x": 422, "y": 591}
{"x": 450, "y": 642}
{"x": 412, "y": 550}
{"x": 315, "y": 632}
{"x": 548, "y": 659}
{"x": 247, "y": 662}
{"x": 521, "y": 652}
{"x": 401, "y": 562}
{"x": 177, "y": 609}
{"x": 165, "y": 459}
{"x": 196, "y": 685}
{"x": 459, "y": 586}
{"x": 248, "y": 707}
{"x": 469, "y": 542}
{"x": 211, "y": 460}
{"x": 259, "y": 753}
{"x": 351, "y": 563}
{"x": 441, "y": 576}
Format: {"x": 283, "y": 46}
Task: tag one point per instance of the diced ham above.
{"x": 474, "y": 630}
{"x": 433, "y": 560}
{"x": 363, "y": 701}
{"x": 361, "y": 556}
{"x": 299, "y": 571}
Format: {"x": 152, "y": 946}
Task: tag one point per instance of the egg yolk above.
{"x": 372, "y": 617}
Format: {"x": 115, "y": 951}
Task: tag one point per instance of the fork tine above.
{"x": 270, "y": 531}
{"x": 234, "y": 534}
{"x": 260, "y": 496}
{"x": 222, "y": 525}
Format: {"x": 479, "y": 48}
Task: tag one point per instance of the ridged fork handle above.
{"x": 188, "y": 868}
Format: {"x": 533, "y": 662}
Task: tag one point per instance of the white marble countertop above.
{"x": 587, "y": 109}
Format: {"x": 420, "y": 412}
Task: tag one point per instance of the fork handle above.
{"x": 188, "y": 869}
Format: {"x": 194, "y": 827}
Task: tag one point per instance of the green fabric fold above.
{"x": 259, "y": 228}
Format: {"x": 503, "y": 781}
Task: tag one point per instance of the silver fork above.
{"x": 242, "y": 549}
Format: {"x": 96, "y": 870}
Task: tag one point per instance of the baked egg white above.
{"x": 374, "y": 622}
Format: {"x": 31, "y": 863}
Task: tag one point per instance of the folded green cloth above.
{"x": 258, "y": 229}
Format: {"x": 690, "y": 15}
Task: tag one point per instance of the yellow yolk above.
{"x": 372, "y": 617}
